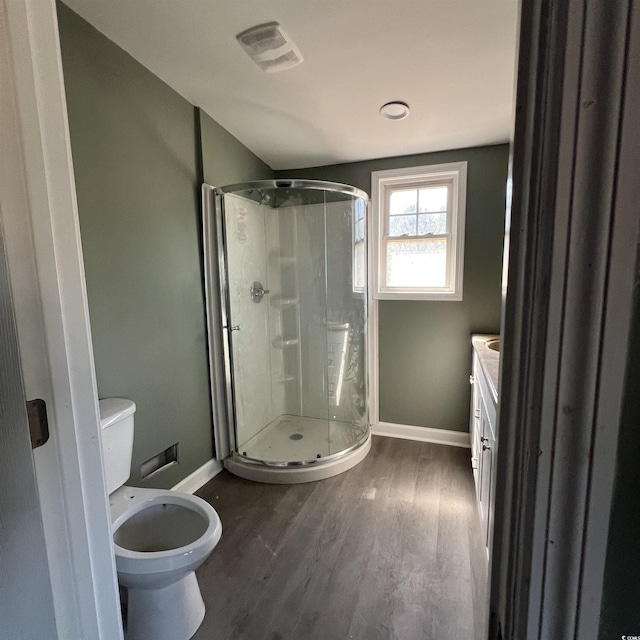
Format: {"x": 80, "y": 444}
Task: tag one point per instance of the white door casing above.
{"x": 47, "y": 280}
{"x": 26, "y": 600}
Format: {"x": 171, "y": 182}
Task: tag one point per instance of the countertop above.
{"x": 489, "y": 361}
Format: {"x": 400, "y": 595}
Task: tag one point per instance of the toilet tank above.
{"x": 116, "y": 421}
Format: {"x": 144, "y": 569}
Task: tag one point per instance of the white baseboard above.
{"x": 422, "y": 434}
{"x": 199, "y": 477}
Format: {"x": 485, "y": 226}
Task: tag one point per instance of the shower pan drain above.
{"x": 295, "y": 436}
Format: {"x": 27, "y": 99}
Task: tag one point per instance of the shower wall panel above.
{"x": 273, "y": 284}
{"x": 252, "y": 236}
{"x": 317, "y": 257}
{"x": 346, "y": 313}
{"x": 312, "y": 269}
{"x": 286, "y": 305}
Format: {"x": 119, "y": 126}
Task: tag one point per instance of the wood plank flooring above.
{"x": 381, "y": 552}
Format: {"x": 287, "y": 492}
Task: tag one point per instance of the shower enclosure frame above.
{"x": 217, "y": 304}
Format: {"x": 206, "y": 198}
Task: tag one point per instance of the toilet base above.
{"x": 173, "y": 612}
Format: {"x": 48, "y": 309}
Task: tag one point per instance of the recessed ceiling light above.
{"x": 395, "y": 110}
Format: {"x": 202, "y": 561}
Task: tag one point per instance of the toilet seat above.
{"x": 163, "y": 597}
{"x": 128, "y": 502}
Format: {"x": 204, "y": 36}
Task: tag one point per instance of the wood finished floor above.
{"x": 382, "y": 551}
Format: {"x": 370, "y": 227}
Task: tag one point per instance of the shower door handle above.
{"x": 235, "y": 327}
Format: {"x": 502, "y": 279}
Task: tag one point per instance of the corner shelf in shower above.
{"x": 285, "y": 302}
{"x": 283, "y": 260}
{"x": 281, "y": 343}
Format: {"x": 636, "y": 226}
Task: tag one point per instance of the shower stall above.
{"x": 286, "y": 291}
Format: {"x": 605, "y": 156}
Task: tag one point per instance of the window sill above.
{"x": 439, "y": 296}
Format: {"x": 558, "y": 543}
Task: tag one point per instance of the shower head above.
{"x": 291, "y": 200}
{"x": 273, "y": 198}
{"x": 257, "y": 195}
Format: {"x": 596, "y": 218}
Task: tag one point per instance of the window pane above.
{"x": 432, "y": 223}
{"x": 417, "y": 263}
{"x": 434, "y": 199}
{"x": 402, "y": 226}
{"x": 403, "y": 202}
{"x": 359, "y": 266}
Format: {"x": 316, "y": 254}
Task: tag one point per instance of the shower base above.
{"x": 294, "y": 449}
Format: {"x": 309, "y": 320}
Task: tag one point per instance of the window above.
{"x": 359, "y": 251}
{"x": 420, "y": 232}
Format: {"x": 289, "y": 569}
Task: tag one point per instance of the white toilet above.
{"x": 160, "y": 538}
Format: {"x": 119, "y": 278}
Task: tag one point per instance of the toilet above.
{"x": 160, "y": 538}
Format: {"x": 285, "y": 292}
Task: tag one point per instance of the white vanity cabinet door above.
{"x": 487, "y": 447}
{"x": 475, "y": 427}
{"x": 482, "y": 432}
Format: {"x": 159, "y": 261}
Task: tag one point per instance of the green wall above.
{"x": 137, "y": 161}
{"x": 425, "y": 347}
{"x": 225, "y": 160}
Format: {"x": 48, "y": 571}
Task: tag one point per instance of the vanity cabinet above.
{"x": 483, "y": 439}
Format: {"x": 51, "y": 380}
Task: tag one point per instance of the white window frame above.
{"x": 454, "y": 175}
{"x": 358, "y": 288}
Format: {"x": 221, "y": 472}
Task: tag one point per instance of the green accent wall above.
{"x": 425, "y": 347}
{"x": 225, "y": 160}
{"x": 137, "y": 162}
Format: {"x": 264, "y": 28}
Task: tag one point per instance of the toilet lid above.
{"x": 114, "y": 409}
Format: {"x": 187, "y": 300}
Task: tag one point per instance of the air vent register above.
{"x": 270, "y": 47}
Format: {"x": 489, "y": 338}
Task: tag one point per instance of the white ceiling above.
{"x": 451, "y": 60}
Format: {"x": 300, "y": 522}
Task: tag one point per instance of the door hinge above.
{"x": 38, "y": 424}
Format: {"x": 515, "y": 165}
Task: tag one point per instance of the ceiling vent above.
{"x": 270, "y": 47}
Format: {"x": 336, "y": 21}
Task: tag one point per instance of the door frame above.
{"x": 572, "y": 236}
{"x": 47, "y": 279}
{"x": 216, "y": 305}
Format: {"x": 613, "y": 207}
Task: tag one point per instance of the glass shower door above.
{"x": 277, "y": 310}
{"x": 346, "y": 321}
{"x": 248, "y": 317}
{"x": 309, "y": 218}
